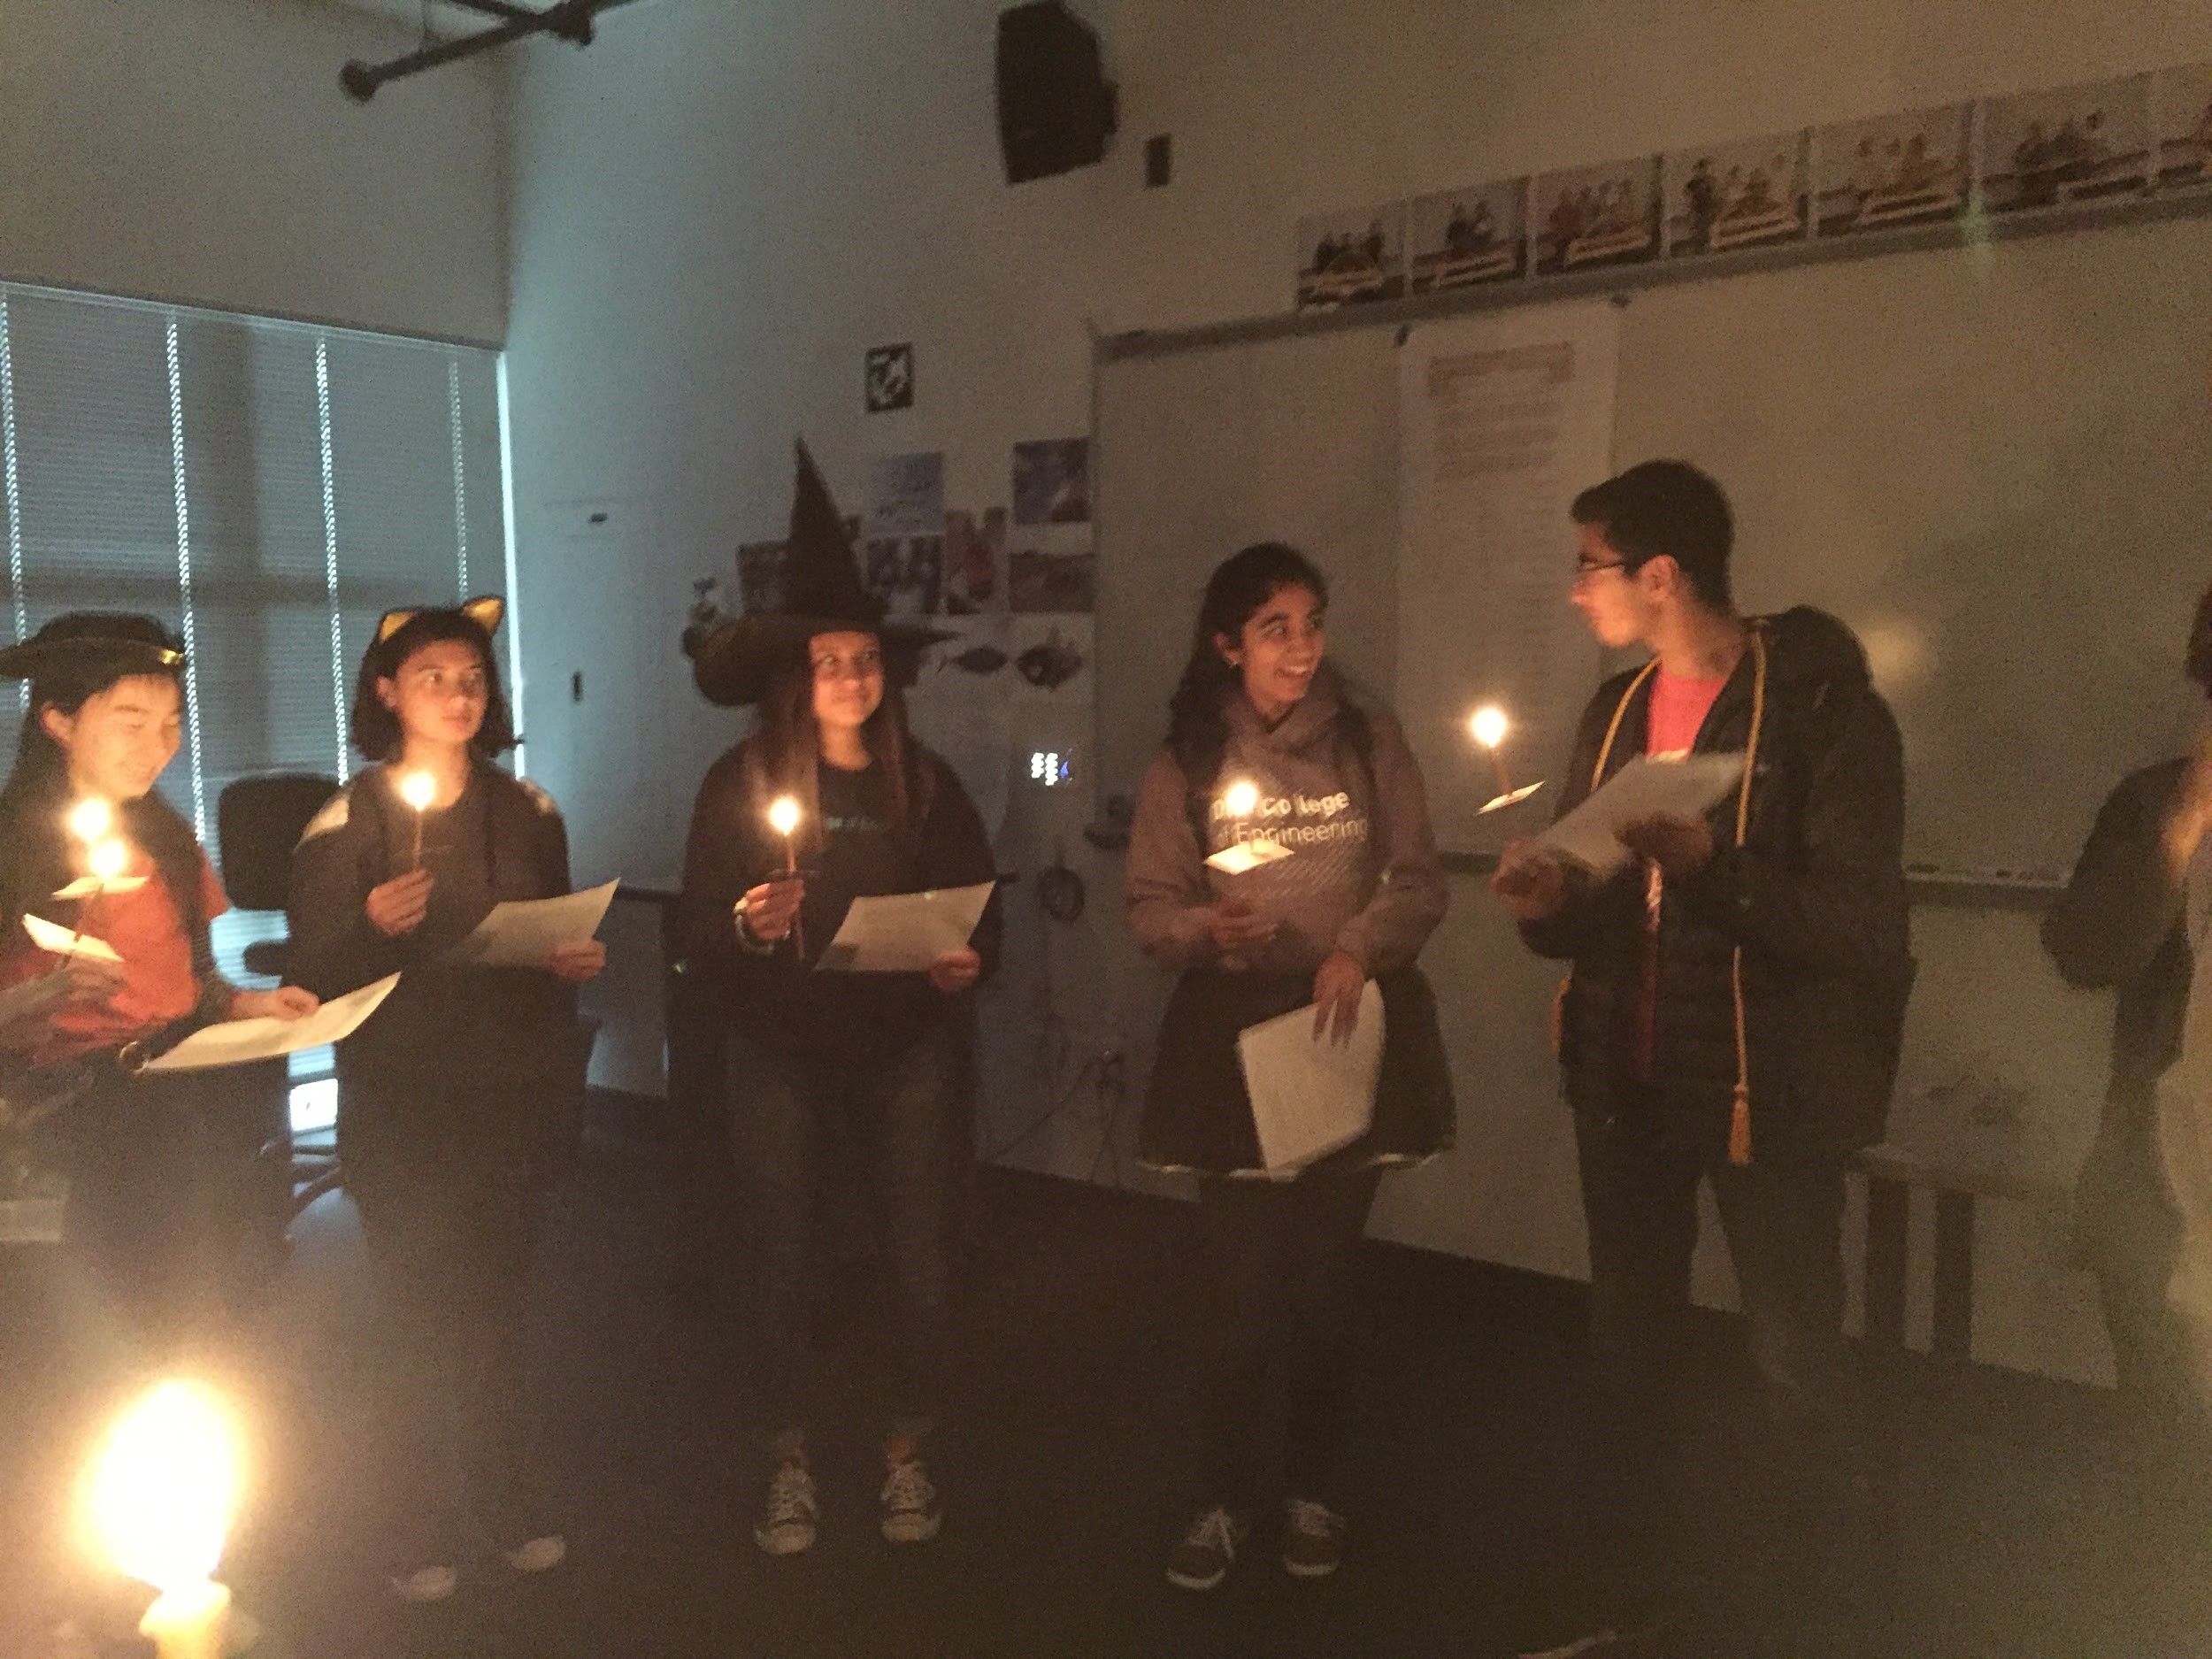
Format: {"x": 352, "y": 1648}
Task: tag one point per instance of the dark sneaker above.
{"x": 911, "y": 1514}
{"x": 1208, "y": 1551}
{"x": 1313, "y": 1539}
{"x": 788, "y": 1514}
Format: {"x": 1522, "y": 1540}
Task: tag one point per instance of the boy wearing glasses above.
{"x": 1732, "y": 1015}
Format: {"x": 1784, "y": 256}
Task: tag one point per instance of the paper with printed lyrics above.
{"x": 523, "y": 933}
{"x": 1310, "y": 1094}
{"x": 1686, "y": 786}
{"x": 904, "y": 932}
{"x": 236, "y": 1041}
{"x": 66, "y": 941}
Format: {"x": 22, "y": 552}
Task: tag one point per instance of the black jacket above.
{"x": 775, "y": 996}
{"x": 1816, "y": 897}
{"x": 2119, "y": 926}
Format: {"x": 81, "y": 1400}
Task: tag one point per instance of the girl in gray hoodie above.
{"x": 1331, "y": 780}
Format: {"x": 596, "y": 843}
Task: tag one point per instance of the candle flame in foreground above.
{"x": 1488, "y": 726}
{"x": 108, "y": 859}
{"x": 166, "y": 1486}
{"x": 1240, "y": 798}
{"x": 783, "y": 815}
{"x": 419, "y": 789}
{"x": 91, "y": 819}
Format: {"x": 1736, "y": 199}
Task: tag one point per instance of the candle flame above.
{"x": 108, "y": 859}
{"x": 783, "y": 815}
{"x": 1241, "y": 798}
{"x": 1488, "y": 726}
{"x": 91, "y": 819}
{"x": 165, "y": 1485}
{"x": 419, "y": 789}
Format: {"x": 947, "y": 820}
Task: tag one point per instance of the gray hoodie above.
{"x": 1363, "y": 878}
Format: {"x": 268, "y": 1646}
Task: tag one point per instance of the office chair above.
{"x": 258, "y": 821}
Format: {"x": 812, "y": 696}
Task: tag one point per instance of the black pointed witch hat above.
{"x": 736, "y": 661}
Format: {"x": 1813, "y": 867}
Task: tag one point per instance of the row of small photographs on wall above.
{"x": 2103, "y": 141}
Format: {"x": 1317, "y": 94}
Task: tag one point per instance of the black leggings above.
{"x": 1279, "y": 1351}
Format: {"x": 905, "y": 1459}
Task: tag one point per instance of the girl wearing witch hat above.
{"x": 457, "y": 1095}
{"x": 820, "y": 1060}
{"x": 161, "y": 1168}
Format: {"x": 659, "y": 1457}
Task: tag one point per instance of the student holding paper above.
{"x": 1733, "y": 1016}
{"x": 166, "y": 1209}
{"x": 823, "y": 1063}
{"x": 2133, "y": 921}
{"x": 459, "y": 1093}
{"x": 1266, "y": 738}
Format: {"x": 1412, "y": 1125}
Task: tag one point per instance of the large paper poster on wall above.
{"x": 1502, "y": 420}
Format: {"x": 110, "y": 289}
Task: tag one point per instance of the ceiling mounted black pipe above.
{"x": 570, "y": 21}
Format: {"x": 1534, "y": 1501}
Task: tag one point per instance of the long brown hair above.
{"x": 784, "y": 756}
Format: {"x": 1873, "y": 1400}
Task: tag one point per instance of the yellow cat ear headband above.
{"x": 486, "y": 612}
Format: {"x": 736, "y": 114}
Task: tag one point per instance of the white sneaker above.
{"x": 911, "y": 1514}
{"x": 538, "y": 1554}
{"x": 788, "y": 1514}
{"x": 1208, "y": 1551}
{"x": 426, "y": 1585}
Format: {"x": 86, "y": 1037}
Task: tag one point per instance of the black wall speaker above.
{"x": 1055, "y": 107}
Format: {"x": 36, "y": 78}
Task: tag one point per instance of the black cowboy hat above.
{"x": 131, "y": 644}
{"x": 736, "y": 661}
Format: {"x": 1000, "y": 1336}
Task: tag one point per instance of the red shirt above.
{"x": 148, "y": 933}
{"x": 1678, "y": 708}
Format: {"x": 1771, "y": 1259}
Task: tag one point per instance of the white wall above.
{"x": 201, "y": 150}
{"x": 720, "y": 205}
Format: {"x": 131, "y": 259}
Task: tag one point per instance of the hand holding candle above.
{"x": 783, "y": 817}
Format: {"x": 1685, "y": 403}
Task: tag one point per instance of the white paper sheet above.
{"x": 64, "y": 941}
{"x": 1687, "y": 788}
{"x": 1311, "y": 1095}
{"x": 904, "y": 932}
{"x": 523, "y": 933}
{"x": 236, "y": 1041}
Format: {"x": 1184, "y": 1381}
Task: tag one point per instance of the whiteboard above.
{"x": 1994, "y": 462}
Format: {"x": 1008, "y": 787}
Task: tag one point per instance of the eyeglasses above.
{"x": 1585, "y": 568}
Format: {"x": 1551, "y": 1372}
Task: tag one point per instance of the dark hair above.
{"x": 784, "y": 756}
{"x": 375, "y": 729}
{"x": 34, "y": 841}
{"x": 1197, "y": 729}
{"x": 1670, "y": 508}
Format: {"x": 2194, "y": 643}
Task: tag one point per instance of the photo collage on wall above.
{"x": 2105, "y": 141}
{"x": 1012, "y": 590}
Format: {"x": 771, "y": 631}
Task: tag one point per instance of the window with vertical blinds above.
{"x": 267, "y": 489}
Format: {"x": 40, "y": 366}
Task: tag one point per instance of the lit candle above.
{"x": 1489, "y": 727}
{"x": 1240, "y": 800}
{"x": 783, "y": 817}
{"x": 419, "y": 789}
{"x": 163, "y": 1493}
{"x": 91, "y": 819}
